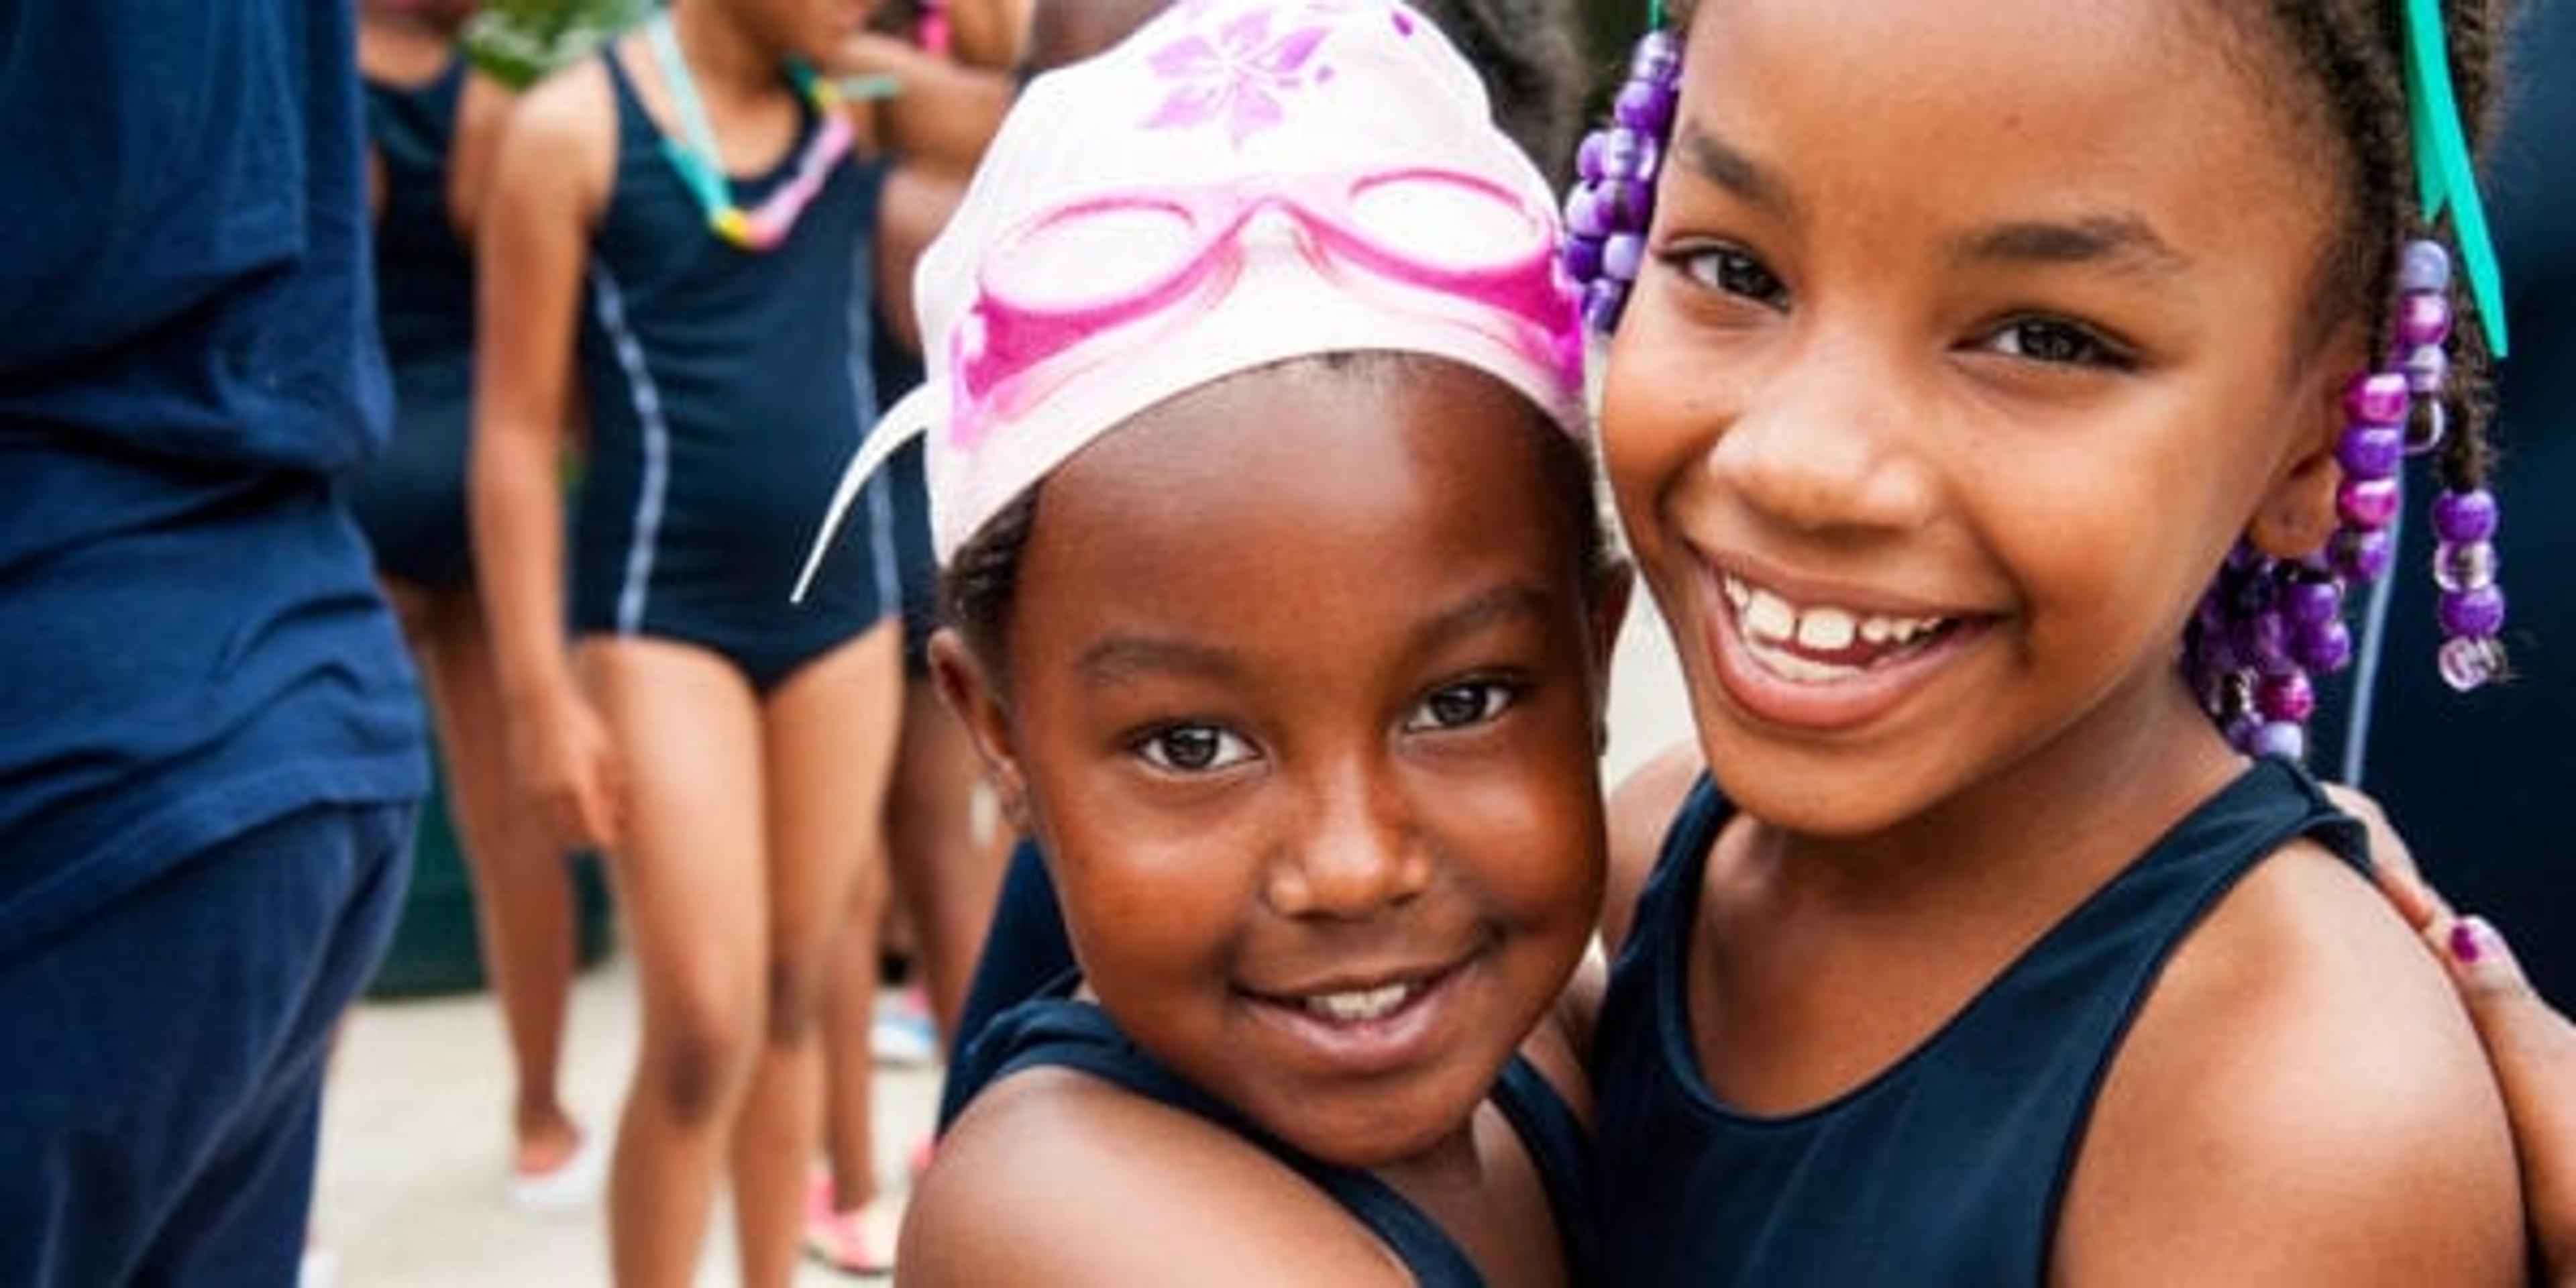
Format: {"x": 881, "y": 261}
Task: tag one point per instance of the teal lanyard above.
{"x": 700, "y": 165}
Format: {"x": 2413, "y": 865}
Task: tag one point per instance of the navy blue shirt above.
{"x": 187, "y": 356}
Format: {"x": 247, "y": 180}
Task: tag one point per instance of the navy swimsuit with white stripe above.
{"x": 726, "y": 389}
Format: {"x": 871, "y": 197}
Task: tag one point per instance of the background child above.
{"x": 686, "y": 208}
{"x": 1962, "y": 347}
{"x": 431, "y": 123}
{"x": 1328, "y": 842}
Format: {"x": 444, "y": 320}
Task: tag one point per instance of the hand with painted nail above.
{"x": 2533, "y": 1048}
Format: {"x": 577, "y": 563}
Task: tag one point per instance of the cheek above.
{"x": 1531, "y": 843}
{"x": 2127, "y": 523}
{"x": 1660, "y": 415}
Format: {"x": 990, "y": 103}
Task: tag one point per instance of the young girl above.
{"x": 1281, "y": 617}
{"x": 680, "y": 226}
{"x": 1963, "y": 345}
{"x": 431, "y": 123}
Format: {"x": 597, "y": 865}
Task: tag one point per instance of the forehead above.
{"x": 2010, "y": 109}
{"x": 1297, "y": 479}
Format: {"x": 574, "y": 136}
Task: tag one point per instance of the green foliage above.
{"x": 519, "y": 42}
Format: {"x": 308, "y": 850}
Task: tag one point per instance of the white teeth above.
{"x": 1767, "y": 616}
{"x": 1827, "y": 630}
{"x": 1768, "y": 619}
{"x": 1360, "y": 1006}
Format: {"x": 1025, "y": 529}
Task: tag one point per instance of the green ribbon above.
{"x": 1654, "y": 14}
{"x": 2443, "y": 175}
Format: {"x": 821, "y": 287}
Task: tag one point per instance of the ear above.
{"x": 969, "y": 689}
{"x": 2297, "y": 513}
{"x": 1609, "y": 614}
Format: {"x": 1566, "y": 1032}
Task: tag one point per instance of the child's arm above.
{"x": 482, "y": 108}
{"x": 942, "y": 115}
{"x": 548, "y": 182}
{"x": 2300, "y": 1101}
{"x": 913, "y": 208}
{"x": 1055, "y": 1178}
{"x": 988, "y": 33}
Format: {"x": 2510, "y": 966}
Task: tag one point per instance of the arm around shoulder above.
{"x": 1055, "y": 1178}
{"x": 2300, "y": 1101}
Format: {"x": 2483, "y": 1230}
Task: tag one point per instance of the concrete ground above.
{"x": 413, "y": 1137}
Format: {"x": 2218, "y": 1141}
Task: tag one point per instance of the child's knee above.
{"x": 699, "y": 1061}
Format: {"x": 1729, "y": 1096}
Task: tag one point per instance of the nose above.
{"x": 1830, "y": 443}
{"x": 1353, "y": 850}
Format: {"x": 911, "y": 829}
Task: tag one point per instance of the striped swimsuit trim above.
{"x": 649, "y": 498}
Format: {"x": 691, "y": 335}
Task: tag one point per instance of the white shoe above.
{"x": 574, "y": 1184}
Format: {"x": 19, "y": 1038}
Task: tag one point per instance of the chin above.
{"x": 1372, "y": 1139}
{"x": 1811, "y": 791}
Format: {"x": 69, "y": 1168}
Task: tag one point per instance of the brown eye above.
{"x": 1192, "y": 749}
{"x": 1732, "y": 272}
{"x": 2055, "y": 341}
{"x": 1459, "y": 706}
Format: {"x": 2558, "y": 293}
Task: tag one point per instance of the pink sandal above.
{"x": 860, "y": 1241}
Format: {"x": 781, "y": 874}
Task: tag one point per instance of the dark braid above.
{"x": 2476, "y": 30}
{"x": 2353, "y": 51}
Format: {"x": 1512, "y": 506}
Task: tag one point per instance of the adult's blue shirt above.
{"x": 191, "y": 638}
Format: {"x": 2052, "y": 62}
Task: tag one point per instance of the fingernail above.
{"x": 2471, "y": 940}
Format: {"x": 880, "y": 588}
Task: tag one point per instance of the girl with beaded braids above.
{"x": 2000, "y": 400}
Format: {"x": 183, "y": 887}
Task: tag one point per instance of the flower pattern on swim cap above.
{"x": 1238, "y": 73}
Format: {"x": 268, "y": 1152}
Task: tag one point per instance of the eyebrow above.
{"x": 1719, "y": 162}
{"x": 2121, "y": 243}
{"x": 1121, "y": 659}
{"x": 1511, "y": 602}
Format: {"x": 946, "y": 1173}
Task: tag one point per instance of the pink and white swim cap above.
{"x": 1238, "y": 183}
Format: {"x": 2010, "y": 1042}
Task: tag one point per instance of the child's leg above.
{"x": 687, "y": 727}
{"x": 950, "y": 871}
{"x": 829, "y": 738}
{"x": 848, "y": 1018}
{"x": 523, "y": 907}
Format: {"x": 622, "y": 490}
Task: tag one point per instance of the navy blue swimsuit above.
{"x": 411, "y": 502}
{"x": 1949, "y": 1166}
{"x": 726, "y": 389}
{"x": 1055, "y": 1030}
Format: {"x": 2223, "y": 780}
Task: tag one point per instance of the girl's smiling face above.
{"x": 1300, "y": 692}
{"x": 1971, "y": 338}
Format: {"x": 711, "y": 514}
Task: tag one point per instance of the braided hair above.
{"x": 2352, "y": 51}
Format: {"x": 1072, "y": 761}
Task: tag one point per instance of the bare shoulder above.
{"x": 1055, "y": 1177}
{"x": 2301, "y": 1100}
{"x": 558, "y": 140}
{"x": 1641, "y": 811}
